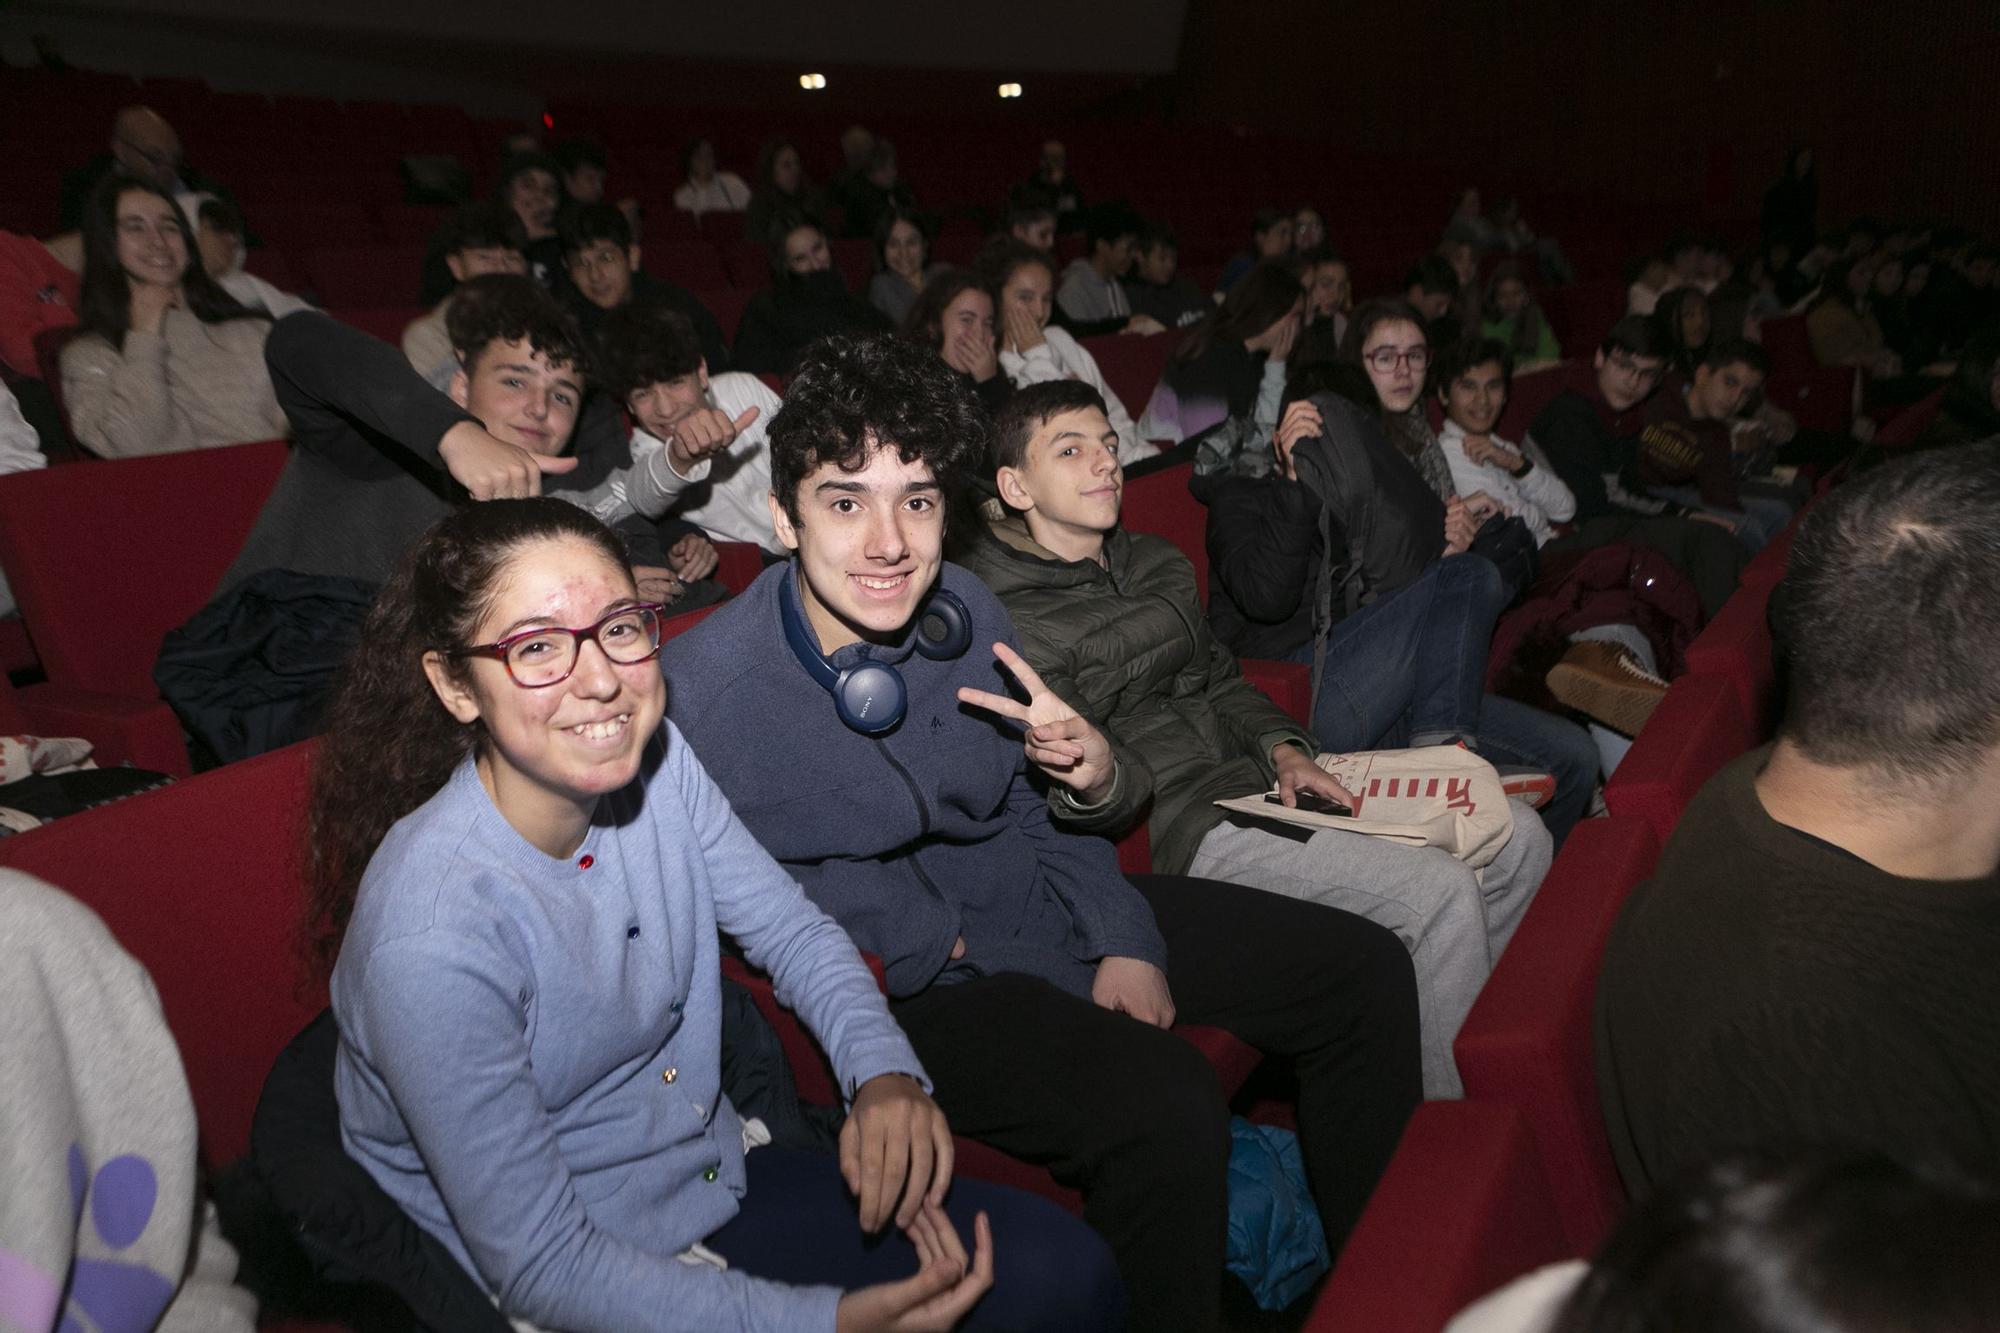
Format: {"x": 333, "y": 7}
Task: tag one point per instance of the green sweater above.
{"x": 1126, "y": 644}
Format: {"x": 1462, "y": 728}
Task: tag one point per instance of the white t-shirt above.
{"x": 1540, "y": 499}
{"x": 1061, "y": 357}
{"x": 725, "y": 495}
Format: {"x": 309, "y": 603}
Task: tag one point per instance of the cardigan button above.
{"x": 669, "y": 1074}
{"x": 709, "y": 1175}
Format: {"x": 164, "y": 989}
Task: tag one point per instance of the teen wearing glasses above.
{"x": 522, "y": 873}
{"x": 168, "y": 360}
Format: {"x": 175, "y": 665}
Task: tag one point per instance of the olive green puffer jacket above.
{"x": 1126, "y": 644}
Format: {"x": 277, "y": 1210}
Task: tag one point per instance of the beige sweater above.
{"x": 189, "y": 386}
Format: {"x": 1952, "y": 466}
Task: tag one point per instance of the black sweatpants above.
{"x": 1134, "y": 1117}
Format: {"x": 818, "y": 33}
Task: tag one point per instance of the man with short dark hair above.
{"x": 1812, "y": 961}
{"x": 602, "y": 274}
{"x": 1091, "y": 297}
{"x": 1430, "y": 286}
{"x": 584, "y": 169}
{"x": 481, "y": 238}
{"x": 1589, "y": 434}
{"x": 1686, "y": 452}
{"x": 1031, "y": 219}
{"x": 1035, "y": 981}
{"x": 143, "y": 147}
{"x": 1155, "y": 286}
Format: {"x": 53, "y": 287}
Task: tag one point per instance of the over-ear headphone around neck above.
{"x": 870, "y": 697}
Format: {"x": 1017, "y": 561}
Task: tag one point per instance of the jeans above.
{"x": 1511, "y": 732}
{"x": 1411, "y": 663}
{"x": 1134, "y": 1116}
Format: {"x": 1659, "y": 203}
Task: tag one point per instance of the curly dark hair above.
{"x": 854, "y": 393}
{"x": 925, "y": 322}
{"x": 389, "y": 744}
{"x": 512, "y": 307}
{"x": 642, "y": 343}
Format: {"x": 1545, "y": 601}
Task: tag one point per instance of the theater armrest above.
{"x": 1288, "y": 683}
{"x": 120, "y": 730}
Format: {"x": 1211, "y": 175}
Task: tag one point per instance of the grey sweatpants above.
{"x": 1453, "y": 924}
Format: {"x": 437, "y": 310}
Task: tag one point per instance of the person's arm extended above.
{"x": 468, "y": 1094}
{"x": 329, "y": 376}
{"x": 121, "y": 405}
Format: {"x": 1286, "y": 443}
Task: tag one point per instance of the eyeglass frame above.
{"x": 1396, "y": 358}
{"x": 578, "y": 637}
{"x": 1626, "y": 363}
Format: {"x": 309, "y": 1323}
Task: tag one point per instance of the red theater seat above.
{"x": 363, "y": 277}
{"x": 1160, "y": 503}
{"x": 384, "y": 322}
{"x": 1736, "y": 647}
{"x": 1132, "y": 364}
{"x": 727, "y": 304}
{"x": 1821, "y": 397}
{"x": 1698, "y": 727}
{"x": 200, "y": 882}
{"x": 1768, "y": 565}
{"x": 1527, "y": 1042}
{"x": 1462, "y": 1209}
{"x": 738, "y": 564}
{"x": 693, "y": 264}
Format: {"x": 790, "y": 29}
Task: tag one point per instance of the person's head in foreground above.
{"x": 521, "y": 362}
{"x": 1759, "y": 1243}
{"x": 875, "y": 436}
{"x": 1055, "y": 461}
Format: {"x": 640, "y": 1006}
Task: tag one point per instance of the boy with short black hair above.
{"x": 1091, "y": 297}
{"x": 1686, "y": 453}
{"x": 1033, "y": 979}
{"x": 481, "y": 238}
{"x": 1155, "y": 286}
{"x": 1031, "y": 219}
{"x": 602, "y": 274}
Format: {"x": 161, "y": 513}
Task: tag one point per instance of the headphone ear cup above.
{"x": 944, "y": 626}
{"x": 871, "y": 698}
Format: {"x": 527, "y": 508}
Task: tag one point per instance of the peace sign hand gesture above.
{"x": 1058, "y": 741}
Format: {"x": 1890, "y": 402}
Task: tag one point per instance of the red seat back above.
{"x": 1528, "y": 396}
{"x": 105, "y": 558}
{"x": 727, "y": 304}
{"x": 200, "y": 882}
{"x": 1160, "y": 503}
{"x": 693, "y": 264}
{"x": 1908, "y": 425}
{"x": 362, "y": 277}
{"x": 384, "y": 322}
{"x": 1462, "y": 1209}
{"x": 1527, "y": 1042}
{"x": 1736, "y": 647}
{"x": 1132, "y": 364}
{"x": 1698, "y": 727}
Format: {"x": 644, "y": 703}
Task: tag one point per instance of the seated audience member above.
{"x": 1516, "y": 236}
{"x": 1841, "y": 324}
{"x": 707, "y": 429}
{"x": 1468, "y": 301}
{"x": 1110, "y": 622}
{"x": 1687, "y": 453}
{"x": 1812, "y": 960}
{"x": 1031, "y": 220}
{"x": 377, "y": 456}
{"x": 782, "y": 191}
{"x": 1589, "y": 432}
{"x": 1329, "y": 301}
{"x": 856, "y": 143}
{"x": 954, "y": 318}
{"x": 1511, "y": 315}
{"x": 1155, "y": 287}
{"x": 1091, "y": 298}
{"x": 1270, "y": 238}
{"x": 20, "y": 451}
{"x": 1232, "y": 364}
{"x": 143, "y": 148}
{"x": 1431, "y": 288}
{"x": 1776, "y": 1242}
{"x": 167, "y": 360}
{"x": 105, "y": 1222}
{"x": 482, "y": 238}
{"x": 876, "y": 191}
{"x": 38, "y": 291}
{"x": 1651, "y": 279}
{"x": 219, "y": 236}
{"x": 1012, "y": 947}
{"x": 1469, "y": 225}
{"x": 1473, "y": 380}
{"x": 900, "y": 271}
{"x": 1970, "y": 410}
{"x": 1051, "y": 180}
{"x": 602, "y": 260}
{"x": 1790, "y": 213}
{"x": 1386, "y": 340}
{"x": 1685, "y": 329}
{"x": 502, "y": 813}
{"x": 584, "y": 167}
{"x": 807, "y": 299}
{"x": 1308, "y": 230}
{"x": 1021, "y": 280}
{"x": 531, "y": 185}
{"x": 703, "y": 189}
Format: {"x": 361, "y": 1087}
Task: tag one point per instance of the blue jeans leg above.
{"x": 1511, "y": 732}
{"x": 1411, "y": 663}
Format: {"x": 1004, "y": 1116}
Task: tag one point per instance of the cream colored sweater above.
{"x": 189, "y": 386}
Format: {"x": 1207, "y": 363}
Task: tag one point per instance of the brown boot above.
{"x": 1605, "y": 683}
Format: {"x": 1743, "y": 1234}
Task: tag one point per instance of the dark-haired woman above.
{"x": 807, "y": 299}
{"x": 1270, "y": 239}
{"x": 782, "y": 191}
{"x": 1687, "y": 326}
{"x": 523, "y": 871}
{"x": 954, "y": 317}
{"x": 168, "y": 360}
{"x": 1511, "y": 314}
{"x": 900, "y": 272}
{"x": 1232, "y": 364}
{"x": 703, "y": 189}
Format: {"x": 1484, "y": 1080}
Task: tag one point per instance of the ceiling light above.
{"x": 1010, "y": 90}
{"x": 812, "y": 83}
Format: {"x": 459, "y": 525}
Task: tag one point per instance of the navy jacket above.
{"x": 912, "y": 839}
